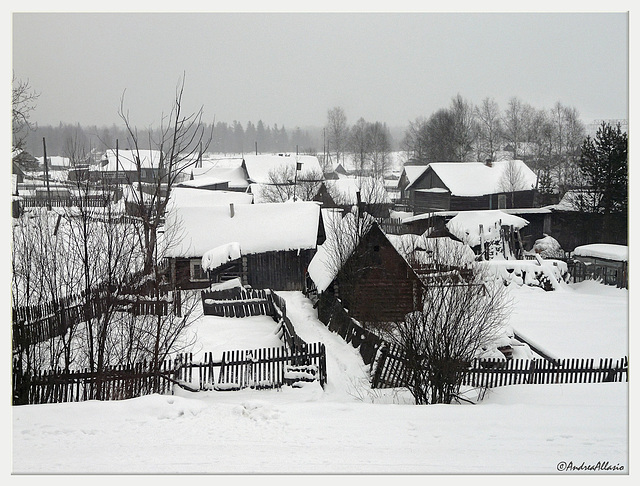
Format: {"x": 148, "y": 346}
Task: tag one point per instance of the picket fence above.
{"x": 39, "y": 323}
{"x": 390, "y": 372}
{"x": 257, "y": 368}
{"x": 237, "y": 302}
{"x": 114, "y": 383}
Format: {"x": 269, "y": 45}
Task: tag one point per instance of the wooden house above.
{"x": 375, "y": 283}
{"x": 471, "y": 186}
{"x": 218, "y": 174}
{"x": 266, "y": 245}
{"x": 407, "y": 177}
{"x": 121, "y": 166}
{"x": 369, "y": 192}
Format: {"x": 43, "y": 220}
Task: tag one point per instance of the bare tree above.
{"x": 512, "y": 179}
{"x": 456, "y": 323}
{"x": 23, "y": 102}
{"x": 283, "y": 185}
{"x": 464, "y": 128}
{"x": 337, "y": 132}
{"x": 182, "y": 139}
{"x": 415, "y": 143}
{"x": 489, "y": 129}
{"x": 515, "y": 123}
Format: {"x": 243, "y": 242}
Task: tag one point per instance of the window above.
{"x": 196, "y": 271}
{"x": 502, "y": 201}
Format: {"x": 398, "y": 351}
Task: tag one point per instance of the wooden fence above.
{"x": 336, "y": 318}
{"x": 39, "y": 323}
{"x": 390, "y": 372}
{"x": 237, "y": 302}
{"x": 258, "y": 368}
{"x": 98, "y": 201}
{"x": 114, "y": 383}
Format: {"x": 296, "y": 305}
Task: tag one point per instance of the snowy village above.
{"x": 181, "y": 306}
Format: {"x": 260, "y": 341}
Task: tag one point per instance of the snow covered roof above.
{"x": 125, "y": 160}
{"x": 425, "y": 250}
{"x": 190, "y": 197}
{"x": 228, "y": 170}
{"x": 55, "y": 161}
{"x": 259, "y": 166}
{"x": 323, "y": 266}
{"x": 256, "y": 228}
{"x": 577, "y": 200}
{"x": 343, "y": 191}
{"x": 478, "y": 179}
{"x": 412, "y": 172}
{"x": 618, "y": 253}
{"x": 466, "y": 225}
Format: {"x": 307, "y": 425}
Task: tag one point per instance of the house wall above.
{"x": 426, "y": 202}
{"x": 277, "y": 270}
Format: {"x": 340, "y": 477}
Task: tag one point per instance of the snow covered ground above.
{"x": 347, "y": 427}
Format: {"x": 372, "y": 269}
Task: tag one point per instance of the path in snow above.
{"x": 347, "y": 375}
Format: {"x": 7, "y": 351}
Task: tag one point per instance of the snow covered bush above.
{"x": 548, "y": 247}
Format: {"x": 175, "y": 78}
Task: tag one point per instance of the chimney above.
{"x": 231, "y": 210}
{"x": 488, "y": 162}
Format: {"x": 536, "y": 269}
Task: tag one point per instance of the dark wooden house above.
{"x": 273, "y": 244}
{"x": 471, "y": 186}
{"x": 375, "y": 284}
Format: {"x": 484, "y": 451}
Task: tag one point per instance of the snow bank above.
{"x": 618, "y": 253}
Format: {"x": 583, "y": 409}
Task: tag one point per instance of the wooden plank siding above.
{"x": 386, "y": 287}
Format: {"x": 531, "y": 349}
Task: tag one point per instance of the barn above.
{"x": 266, "y": 245}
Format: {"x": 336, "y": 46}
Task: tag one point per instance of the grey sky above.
{"x": 291, "y": 68}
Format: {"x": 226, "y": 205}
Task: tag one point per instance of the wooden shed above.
{"x": 266, "y": 245}
{"x": 375, "y": 284}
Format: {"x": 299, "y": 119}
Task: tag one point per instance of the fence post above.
{"x": 384, "y": 352}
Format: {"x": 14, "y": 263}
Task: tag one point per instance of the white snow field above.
{"x": 557, "y": 429}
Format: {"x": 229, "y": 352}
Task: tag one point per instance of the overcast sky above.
{"x": 290, "y": 69}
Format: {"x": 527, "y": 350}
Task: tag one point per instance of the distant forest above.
{"x": 226, "y": 138}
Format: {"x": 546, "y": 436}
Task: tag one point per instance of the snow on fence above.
{"x": 390, "y": 372}
{"x": 258, "y": 368}
{"x": 237, "y": 302}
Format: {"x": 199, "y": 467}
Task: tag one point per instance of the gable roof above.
{"x": 257, "y": 228}
{"x": 411, "y": 173}
{"x": 478, "y": 179}
{"x": 125, "y": 160}
{"x": 259, "y": 166}
{"x": 230, "y": 170}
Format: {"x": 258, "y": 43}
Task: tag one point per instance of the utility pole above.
{"x": 46, "y": 174}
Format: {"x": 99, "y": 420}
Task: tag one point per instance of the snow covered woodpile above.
{"x": 492, "y": 234}
{"x": 600, "y": 261}
{"x": 457, "y": 186}
{"x": 548, "y": 247}
{"x": 546, "y": 274}
{"x": 275, "y": 242}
